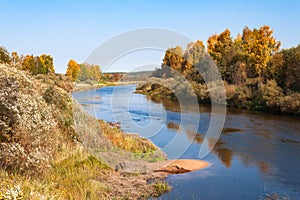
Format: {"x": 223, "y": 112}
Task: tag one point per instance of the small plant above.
{"x": 161, "y": 187}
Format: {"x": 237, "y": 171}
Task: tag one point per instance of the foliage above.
{"x": 73, "y": 69}
{"x": 47, "y": 64}
{"x": 193, "y": 54}
{"x": 292, "y": 69}
{"x": 221, "y": 49}
{"x": 174, "y": 59}
{"x": 4, "y": 56}
{"x": 28, "y": 128}
{"x": 43, "y": 155}
{"x": 270, "y": 95}
{"x": 28, "y": 63}
{"x": 114, "y": 76}
{"x": 89, "y": 72}
{"x": 37, "y": 65}
{"x": 257, "y": 75}
{"x": 161, "y": 188}
{"x": 259, "y": 45}
{"x": 15, "y": 59}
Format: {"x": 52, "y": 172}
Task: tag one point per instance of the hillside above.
{"x": 51, "y": 149}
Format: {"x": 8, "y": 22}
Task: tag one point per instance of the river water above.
{"x": 257, "y": 155}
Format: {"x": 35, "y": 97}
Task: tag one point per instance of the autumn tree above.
{"x": 15, "y": 59}
{"x": 284, "y": 67}
{"x": 193, "y": 53}
{"x": 89, "y": 72}
{"x": 116, "y": 76}
{"x": 95, "y": 72}
{"x": 239, "y": 73}
{"x": 47, "y": 64}
{"x": 73, "y": 69}
{"x": 4, "y": 56}
{"x": 83, "y": 73}
{"x": 292, "y": 68}
{"x": 174, "y": 59}
{"x": 38, "y": 65}
{"x": 259, "y": 45}
{"x": 223, "y": 50}
{"x": 275, "y": 69}
{"x": 28, "y": 63}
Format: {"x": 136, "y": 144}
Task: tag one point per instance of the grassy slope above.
{"x": 51, "y": 149}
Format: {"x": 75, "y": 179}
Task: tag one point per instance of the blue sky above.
{"x": 73, "y": 29}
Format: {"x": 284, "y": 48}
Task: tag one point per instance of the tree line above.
{"x": 42, "y": 64}
{"x": 83, "y": 72}
{"x": 257, "y": 74}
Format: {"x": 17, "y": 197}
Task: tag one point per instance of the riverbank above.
{"x": 247, "y": 156}
{"x": 51, "y": 148}
{"x": 255, "y": 96}
{"x": 81, "y": 86}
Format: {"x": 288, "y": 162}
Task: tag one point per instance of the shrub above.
{"x": 270, "y": 95}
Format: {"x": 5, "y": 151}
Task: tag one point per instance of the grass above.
{"x": 77, "y": 176}
{"x": 161, "y": 187}
{"x": 128, "y": 142}
{"x": 57, "y": 151}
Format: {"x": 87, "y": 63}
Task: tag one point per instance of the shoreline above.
{"x": 157, "y": 90}
{"x": 81, "y": 87}
{"x": 158, "y": 170}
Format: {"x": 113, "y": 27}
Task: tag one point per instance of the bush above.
{"x": 29, "y": 131}
{"x": 291, "y": 104}
{"x": 9, "y": 110}
{"x": 270, "y": 95}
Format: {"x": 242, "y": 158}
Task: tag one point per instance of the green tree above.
{"x": 276, "y": 69}
{"x": 83, "y": 73}
{"x": 291, "y": 68}
{"x": 89, "y": 72}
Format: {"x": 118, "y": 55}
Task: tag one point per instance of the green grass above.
{"x": 161, "y": 187}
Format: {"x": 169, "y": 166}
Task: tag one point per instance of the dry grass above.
{"x": 78, "y": 175}
{"x": 51, "y": 149}
{"x": 140, "y": 147}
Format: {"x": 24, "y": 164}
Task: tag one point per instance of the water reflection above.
{"x": 224, "y": 154}
{"x": 255, "y": 150}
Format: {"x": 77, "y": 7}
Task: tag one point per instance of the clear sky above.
{"x": 73, "y": 29}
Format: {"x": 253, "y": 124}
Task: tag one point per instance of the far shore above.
{"x": 80, "y": 87}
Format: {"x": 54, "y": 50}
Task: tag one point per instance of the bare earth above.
{"x": 178, "y": 166}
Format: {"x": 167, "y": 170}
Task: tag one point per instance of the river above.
{"x": 257, "y": 155}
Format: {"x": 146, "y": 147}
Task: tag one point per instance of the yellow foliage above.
{"x": 73, "y": 69}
